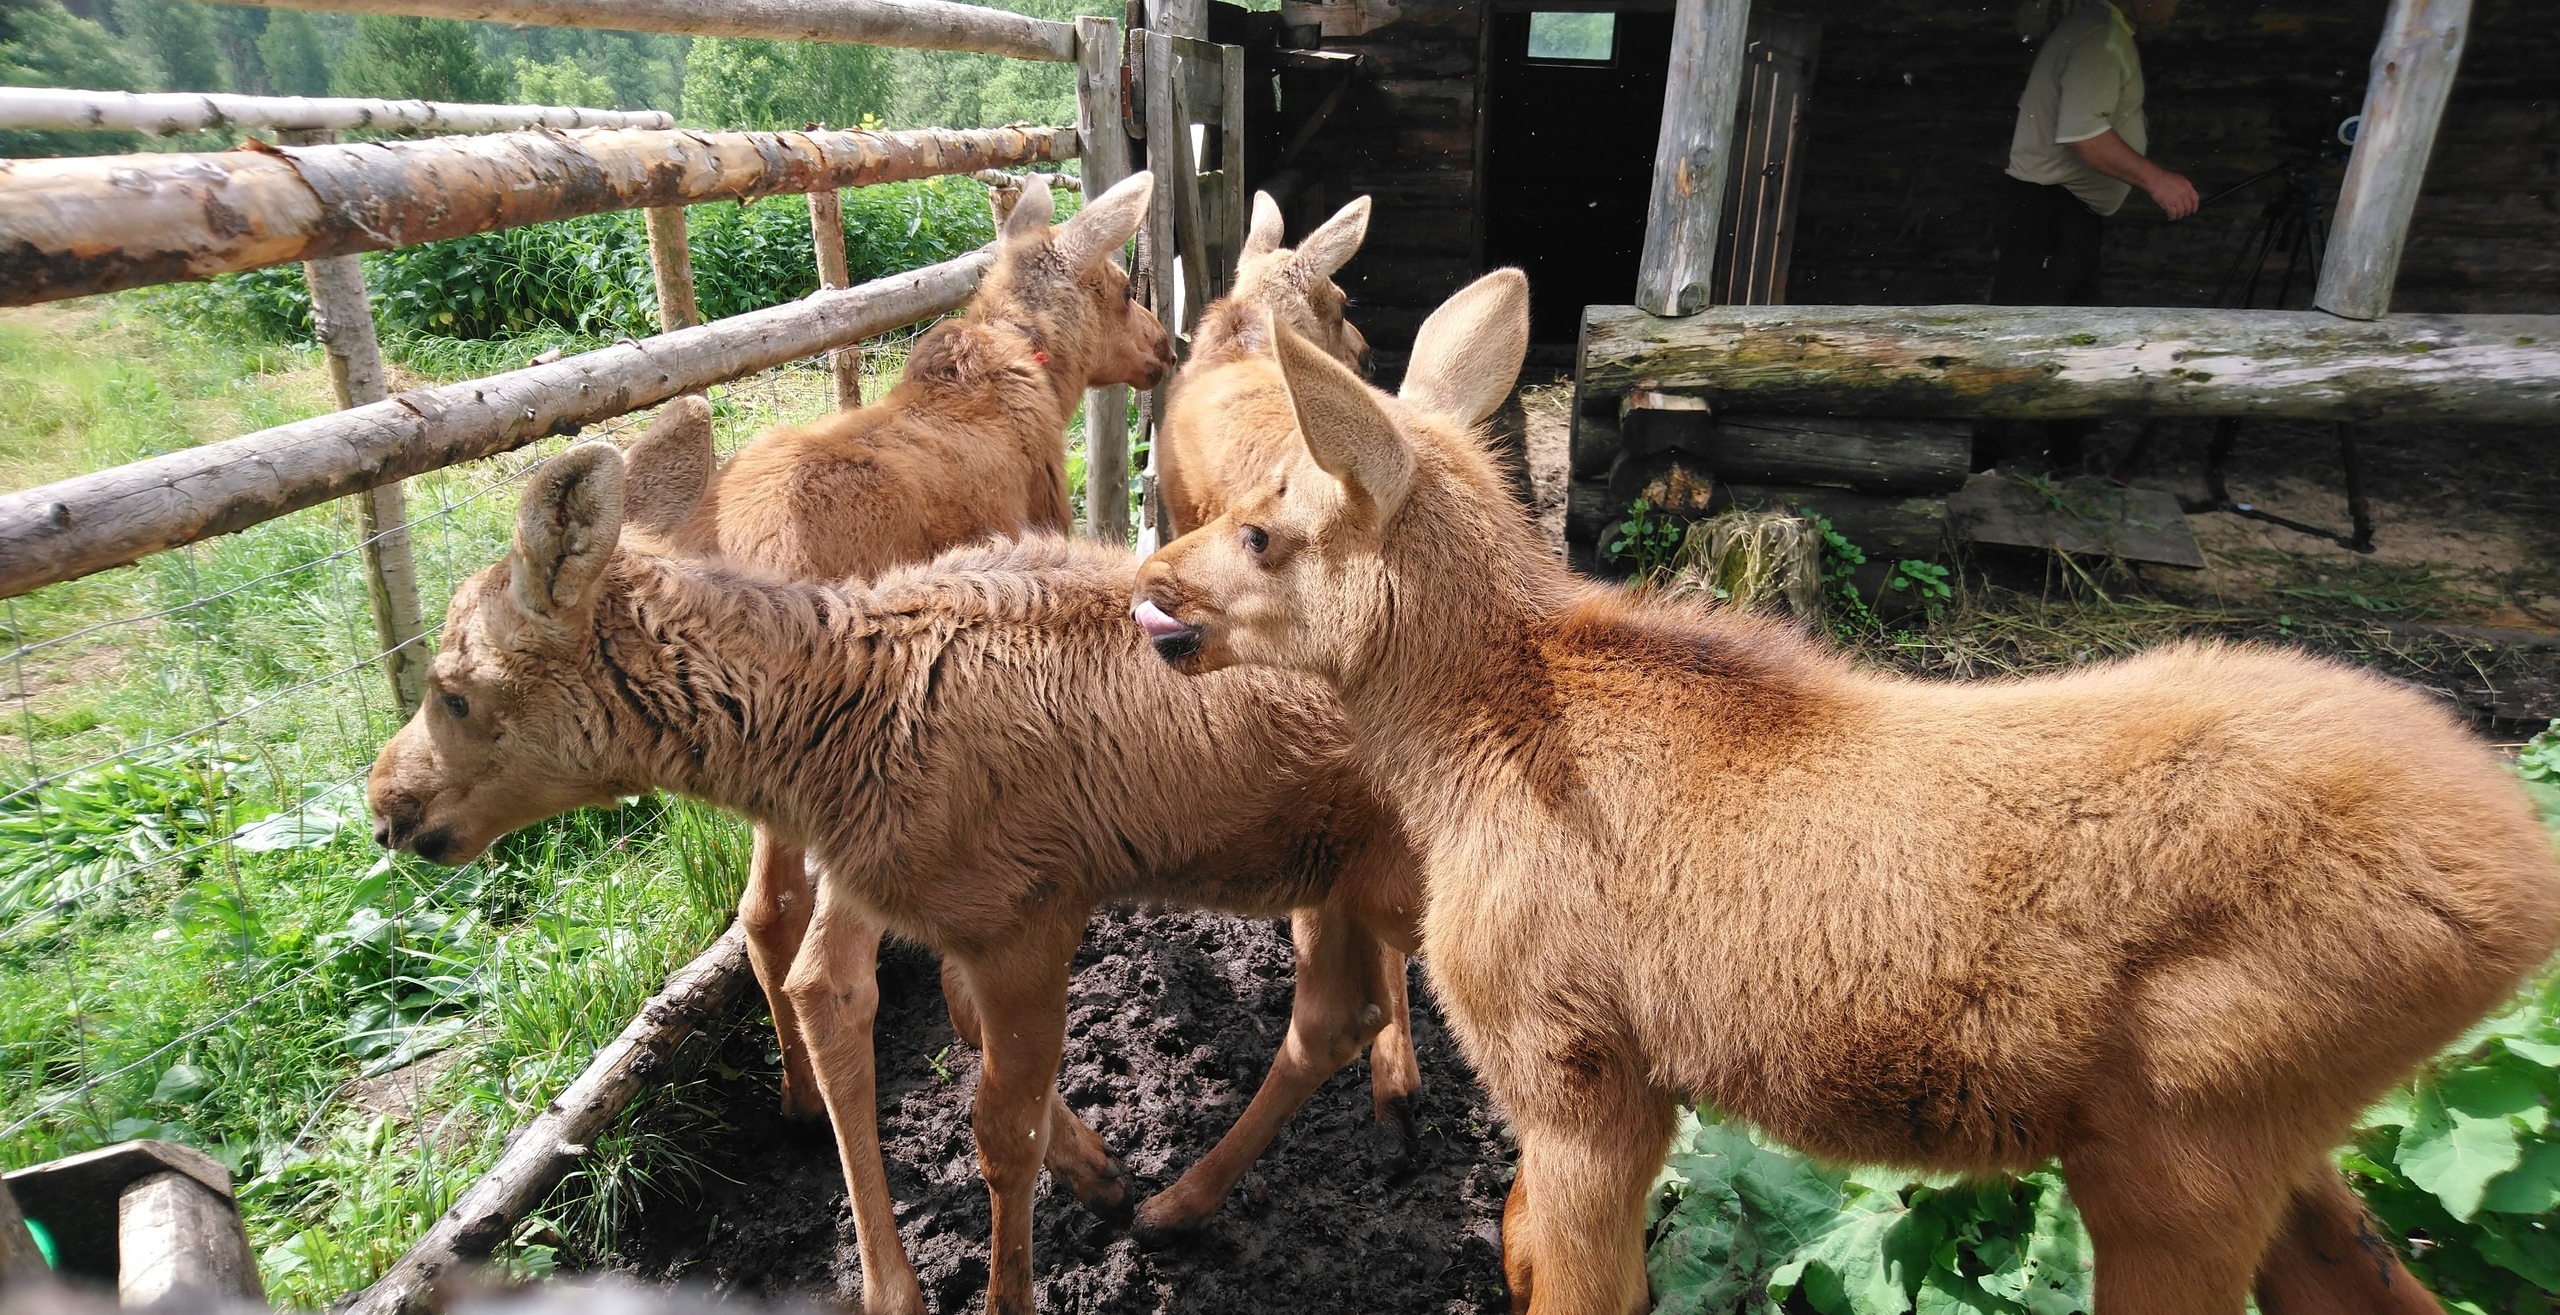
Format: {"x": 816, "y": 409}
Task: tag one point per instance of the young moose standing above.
{"x": 2175, "y": 920}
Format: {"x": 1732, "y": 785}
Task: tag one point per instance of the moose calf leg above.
{"x": 2179, "y": 1216}
{"x": 2332, "y": 1255}
{"x": 1395, "y": 1073}
{"x": 1592, "y": 1152}
{"x": 1021, "y": 1002}
{"x": 1077, "y": 1157}
{"x": 835, "y": 984}
{"x": 1342, "y": 1001}
{"x": 775, "y": 912}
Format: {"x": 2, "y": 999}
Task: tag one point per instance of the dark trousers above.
{"x": 2048, "y": 257}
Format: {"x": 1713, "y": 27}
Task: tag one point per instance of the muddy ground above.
{"x": 1172, "y": 1020}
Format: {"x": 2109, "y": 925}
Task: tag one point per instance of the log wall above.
{"x": 1910, "y": 127}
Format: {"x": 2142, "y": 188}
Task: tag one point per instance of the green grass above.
{"x": 197, "y": 941}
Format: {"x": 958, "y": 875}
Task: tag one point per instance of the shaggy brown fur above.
{"x": 2176, "y": 920}
{"x": 1227, "y": 427}
{"x": 971, "y": 442}
{"x": 978, "y": 752}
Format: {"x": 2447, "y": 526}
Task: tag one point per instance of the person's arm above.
{"x": 2108, "y": 154}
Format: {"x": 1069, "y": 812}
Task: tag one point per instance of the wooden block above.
{"x": 1588, "y": 510}
{"x": 2080, "y": 516}
{"x": 1674, "y": 482}
{"x": 177, "y": 1238}
{"x": 1651, "y": 421}
{"x": 20, "y": 1259}
{"x": 1887, "y": 528}
{"x": 1872, "y": 456}
{"x": 77, "y": 1197}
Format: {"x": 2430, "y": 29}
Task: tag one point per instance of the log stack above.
{"x": 1882, "y": 483}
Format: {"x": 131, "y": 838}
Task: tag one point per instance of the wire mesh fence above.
{"x": 197, "y": 938}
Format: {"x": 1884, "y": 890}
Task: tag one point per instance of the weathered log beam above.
{"x": 1685, "y": 214}
{"x": 21, "y": 1261}
{"x": 166, "y": 112}
{"x": 2050, "y": 361}
{"x": 2404, "y": 101}
{"x": 179, "y": 1240}
{"x": 542, "y": 1152}
{"x": 74, "y": 527}
{"x": 71, "y": 227}
{"x": 914, "y": 24}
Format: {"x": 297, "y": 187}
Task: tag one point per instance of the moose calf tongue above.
{"x": 1155, "y": 621}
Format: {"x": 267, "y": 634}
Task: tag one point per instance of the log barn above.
{"x": 1862, "y": 167}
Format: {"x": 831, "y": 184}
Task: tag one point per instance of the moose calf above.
{"x": 2176, "y": 920}
{"x": 978, "y": 752}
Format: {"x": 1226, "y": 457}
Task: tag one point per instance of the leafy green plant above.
{"x": 1644, "y": 542}
{"x": 1742, "y": 1225}
{"x": 78, "y": 841}
{"x": 1926, "y": 582}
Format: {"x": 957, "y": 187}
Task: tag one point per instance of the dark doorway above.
{"x": 1569, "y": 155}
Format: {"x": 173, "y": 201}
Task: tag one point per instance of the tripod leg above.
{"x": 2351, "y": 462}
{"x": 2217, "y": 455}
{"x": 2131, "y": 461}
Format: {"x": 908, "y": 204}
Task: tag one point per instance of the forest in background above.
{"x": 185, "y": 45}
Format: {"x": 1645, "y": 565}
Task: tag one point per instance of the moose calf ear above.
{"x": 1264, "y": 237}
{"x": 666, "y": 469}
{"x": 1030, "y": 217}
{"x": 1345, "y": 429}
{"x": 566, "y": 527}
{"x": 1107, "y": 222}
{"x": 1468, "y": 354}
{"x": 1333, "y": 244}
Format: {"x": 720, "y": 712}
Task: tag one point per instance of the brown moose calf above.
{"x": 978, "y": 753}
{"x": 2176, "y": 920}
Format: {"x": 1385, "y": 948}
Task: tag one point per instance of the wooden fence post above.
{"x": 342, "y": 319}
{"x": 20, "y": 1259}
{"x": 1106, "y": 162}
{"x": 1690, "y": 160}
{"x": 1161, "y": 242}
{"x": 2403, "y": 102}
{"x": 826, "y": 234}
{"x": 671, "y": 262}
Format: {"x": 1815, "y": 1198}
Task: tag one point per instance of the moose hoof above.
{"x": 801, "y": 1102}
{"x": 1111, "y": 1197}
{"x": 1162, "y": 1224}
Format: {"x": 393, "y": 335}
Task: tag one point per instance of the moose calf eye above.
{"x": 457, "y": 706}
{"x": 1254, "y": 539}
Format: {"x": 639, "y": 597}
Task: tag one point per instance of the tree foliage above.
{"x": 782, "y": 84}
{"x": 416, "y": 58}
{"x": 179, "y": 40}
{"x": 43, "y": 44}
{"x": 291, "y": 54}
{"x": 561, "y": 82}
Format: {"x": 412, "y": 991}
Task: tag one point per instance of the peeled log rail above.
{"x": 164, "y": 113}
{"x": 541, "y": 1153}
{"x": 77, "y": 526}
{"x": 71, "y": 227}
{"x": 914, "y": 24}
{"x": 2055, "y": 361}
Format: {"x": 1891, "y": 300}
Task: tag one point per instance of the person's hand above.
{"x": 2175, "y": 196}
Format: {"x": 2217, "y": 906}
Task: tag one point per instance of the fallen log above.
{"x": 162, "y": 113}
{"x": 81, "y": 225}
{"x": 543, "y": 1151}
{"x": 913, "y": 24}
{"x": 2053, "y": 361}
{"x": 73, "y": 527}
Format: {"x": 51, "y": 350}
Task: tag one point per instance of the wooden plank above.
{"x": 1231, "y": 167}
{"x": 1760, "y": 228}
{"x": 164, "y": 113}
{"x": 2403, "y": 104}
{"x": 826, "y": 240}
{"x": 1183, "y": 175}
{"x": 1683, "y": 218}
{"x": 74, "y": 527}
{"x": 541, "y": 1153}
{"x": 2083, "y": 517}
{"x": 2054, "y": 361}
{"x": 76, "y": 1196}
{"x": 1099, "y": 51}
{"x": 178, "y": 1240}
{"x": 21, "y": 1260}
{"x": 671, "y": 268}
{"x": 80, "y": 225}
{"x": 913, "y": 24}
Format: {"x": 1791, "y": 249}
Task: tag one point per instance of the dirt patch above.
{"x": 1549, "y": 408}
{"x": 1172, "y": 1020}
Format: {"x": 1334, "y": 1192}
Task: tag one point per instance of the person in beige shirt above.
{"x": 2077, "y": 153}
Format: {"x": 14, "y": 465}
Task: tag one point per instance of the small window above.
{"x": 1567, "y": 37}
